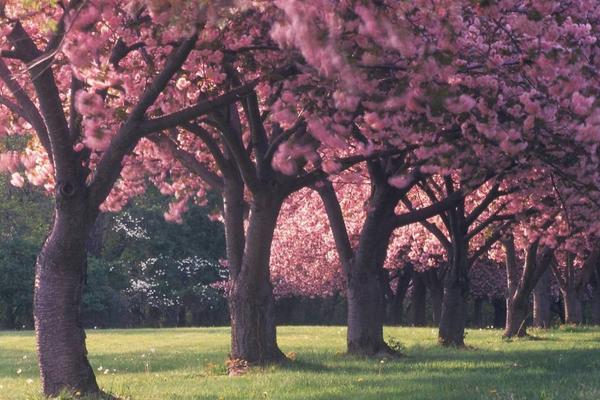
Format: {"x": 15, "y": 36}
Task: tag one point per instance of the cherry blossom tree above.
{"x": 87, "y": 80}
{"x": 466, "y": 232}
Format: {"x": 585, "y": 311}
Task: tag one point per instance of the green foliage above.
{"x": 24, "y": 221}
{"x": 17, "y": 261}
{"x": 162, "y": 273}
{"x": 396, "y": 345}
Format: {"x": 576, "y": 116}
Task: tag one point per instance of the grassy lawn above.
{"x": 183, "y": 364}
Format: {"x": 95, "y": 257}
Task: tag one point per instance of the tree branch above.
{"x": 31, "y": 113}
{"x": 487, "y": 200}
{"x": 65, "y": 160}
{"x": 110, "y": 165}
{"x": 336, "y": 223}
{"x": 429, "y": 211}
{"x": 432, "y": 228}
{"x": 189, "y": 161}
{"x": 210, "y": 143}
{"x": 191, "y": 113}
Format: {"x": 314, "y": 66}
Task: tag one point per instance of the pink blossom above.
{"x": 17, "y": 180}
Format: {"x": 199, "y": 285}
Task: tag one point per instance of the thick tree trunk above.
{"x": 363, "y": 268}
{"x": 251, "y": 300}
{"x": 365, "y": 316}
{"x": 573, "y": 309}
{"x": 366, "y": 300}
{"x": 517, "y": 311}
{"x": 520, "y": 284}
{"x": 452, "y": 323}
{"x": 419, "y": 296}
{"x": 541, "y": 302}
{"x": 60, "y": 278}
{"x": 453, "y": 318}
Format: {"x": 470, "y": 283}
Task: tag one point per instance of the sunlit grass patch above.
{"x": 186, "y": 364}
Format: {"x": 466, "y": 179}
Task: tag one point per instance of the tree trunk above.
{"x": 573, "y": 309}
{"x": 596, "y": 303}
{"x": 419, "y": 293}
{"x": 251, "y": 300}
{"x": 478, "y": 313}
{"x": 452, "y": 321}
{"x": 366, "y": 296}
{"x": 182, "y": 316}
{"x": 521, "y": 282}
{"x": 395, "y": 307}
{"x": 365, "y": 319}
{"x": 363, "y": 268}
{"x": 60, "y": 279}
{"x": 436, "y": 294}
{"x": 541, "y": 302}
{"x": 499, "y": 312}
{"x": 517, "y": 311}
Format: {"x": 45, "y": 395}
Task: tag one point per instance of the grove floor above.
{"x": 178, "y": 364}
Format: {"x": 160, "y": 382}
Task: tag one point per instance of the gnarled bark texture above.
{"x": 59, "y": 283}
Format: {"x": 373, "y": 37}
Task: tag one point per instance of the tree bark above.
{"x": 452, "y": 323}
{"x": 366, "y": 300}
{"x": 365, "y": 316}
{"x": 251, "y": 300}
{"x": 517, "y": 311}
{"x": 395, "y": 307}
{"x": 419, "y": 293}
{"x": 541, "y": 302}
{"x": 520, "y": 284}
{"x": 573, "y": 309}
{"x": 453, "y": 318}
{"x": 59, "y": 282}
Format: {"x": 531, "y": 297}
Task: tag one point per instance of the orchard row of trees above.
{"x": 439, "y": 133}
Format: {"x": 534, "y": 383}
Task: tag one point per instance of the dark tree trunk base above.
{"x": 516, "y": 321}
{"x": 366, "y": 307}
{"x": 253, "y": 338}
{"x": 452, "y": 322}
{"x": 573, "y": 308}
{"x": 379, "y": 350}
{"x": 60, "y": 278}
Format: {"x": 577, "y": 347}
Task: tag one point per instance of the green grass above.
{"x": 183, "y": 364}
